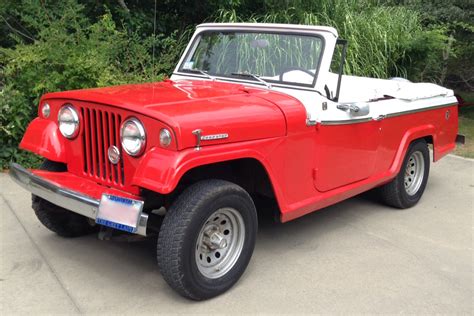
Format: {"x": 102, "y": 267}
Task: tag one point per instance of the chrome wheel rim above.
{"x": 219, "y": 243}
{"x": 414, "y": 172}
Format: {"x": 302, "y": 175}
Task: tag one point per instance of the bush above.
{"x": 70, "y": 52}
{"x": 15, "y": 114}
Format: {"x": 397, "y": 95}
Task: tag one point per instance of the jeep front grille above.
{"x": 101, "y": 130}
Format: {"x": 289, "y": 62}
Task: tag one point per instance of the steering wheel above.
{"x": 288, "y": 69}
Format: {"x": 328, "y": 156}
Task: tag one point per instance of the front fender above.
{"x": 161, "y": 170}
{"x": 42, "y": 137}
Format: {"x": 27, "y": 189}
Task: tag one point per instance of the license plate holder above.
{"x": 119, "y": 212}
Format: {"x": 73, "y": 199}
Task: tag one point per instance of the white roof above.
{"x": 293, "y": 27}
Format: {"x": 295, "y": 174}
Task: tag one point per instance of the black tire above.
{"x": 394, "y": 193}
{"x": 57, "y": 219}
{"x": 183, "y": 224}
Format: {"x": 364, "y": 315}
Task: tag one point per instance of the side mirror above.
{"x": 355, "y": 109}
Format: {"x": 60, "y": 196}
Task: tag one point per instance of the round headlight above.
{"x": 165, "y": 137}
{"x": 45, "y": 110}
{"x": 68, "y": 121}
{"x": 132, "y": 135}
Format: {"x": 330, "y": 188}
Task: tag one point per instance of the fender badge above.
{"x": 114, "y": 154}
{"x": 200, "y": 137}
{"x": 214, "y": 137}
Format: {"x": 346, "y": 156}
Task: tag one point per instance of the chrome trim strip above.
{"x": 68, "y": 199}
{"x": 310, "y": 122}
{"x": 380, "y": 117}
{"x": 419, "y": 110}
{"x": 346, "y": 122}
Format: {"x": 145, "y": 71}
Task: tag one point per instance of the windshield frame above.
{"x": 277, "y": 83}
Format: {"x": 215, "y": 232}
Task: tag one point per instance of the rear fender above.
{"x": 412, "y": 134}
{"x": 42, "y": 137}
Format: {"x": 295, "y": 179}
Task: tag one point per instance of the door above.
{"x": 346, "y": 147}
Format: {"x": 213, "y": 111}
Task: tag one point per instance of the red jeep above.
{"x": 252, "y": 113}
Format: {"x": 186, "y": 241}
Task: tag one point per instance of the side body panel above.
{"x": 441, "y": 124}
{"x": 396, "y": 134}
{"x": 345, "y": 153}
{"x": 289, "y": 160}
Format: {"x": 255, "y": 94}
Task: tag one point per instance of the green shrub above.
{"x": 71, "y": 52}
{"x": 15, "y": 114}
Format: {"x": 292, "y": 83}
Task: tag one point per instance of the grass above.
{"x": 384, "y": 41}
{"x": 466, "y": 128}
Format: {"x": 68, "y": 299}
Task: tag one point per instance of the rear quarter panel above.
{"x": 441, "y": 124}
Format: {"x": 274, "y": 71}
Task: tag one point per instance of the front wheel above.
{"x": 407, "y": 188}
{"x": 207, "y": 238}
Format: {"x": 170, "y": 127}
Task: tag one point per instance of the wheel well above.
{"x": 429, "y": 140}
{"x": 248, "y": 173}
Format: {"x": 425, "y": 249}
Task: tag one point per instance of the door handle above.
{"x": 348, "y": 107}
{"x": 380, "y": 117}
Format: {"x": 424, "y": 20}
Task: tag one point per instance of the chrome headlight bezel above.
{"x": 140, "y": 137}
{"x": 73, "y": 120}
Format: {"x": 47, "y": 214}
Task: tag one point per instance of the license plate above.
{"x": 119, "y": 212}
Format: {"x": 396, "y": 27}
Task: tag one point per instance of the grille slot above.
{"x": 101, "y": 130}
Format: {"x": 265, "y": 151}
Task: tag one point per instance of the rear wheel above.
{"x": 207, "y": 238}
{"x": 407, "y": 188}
{"x": 57, "y": 219}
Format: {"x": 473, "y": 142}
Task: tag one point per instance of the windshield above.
{"x": 273, "y": 57}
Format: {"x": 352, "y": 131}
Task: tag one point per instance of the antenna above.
{"x": 154, "y": 40}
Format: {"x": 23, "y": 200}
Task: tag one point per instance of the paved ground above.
{"x": 354, "y": 257}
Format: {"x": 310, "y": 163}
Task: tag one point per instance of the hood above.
{"x": 213, "y": 107}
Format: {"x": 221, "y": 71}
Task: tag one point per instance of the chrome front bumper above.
{"x": 68, "y": 199}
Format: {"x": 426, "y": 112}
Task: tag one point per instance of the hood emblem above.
{"x": 200, "y": 137}
{"x": 114, "y": 154}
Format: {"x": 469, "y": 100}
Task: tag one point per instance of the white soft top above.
{"x": 354, "y": 89}
{"x": 292, "y": 27}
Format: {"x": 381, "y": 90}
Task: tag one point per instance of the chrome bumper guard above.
{"x": 71, "y": 200}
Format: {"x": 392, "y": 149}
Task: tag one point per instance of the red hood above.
{"x": 213, "y": 107}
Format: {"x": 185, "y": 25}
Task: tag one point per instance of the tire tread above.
{"x": 57, "y": 219}
{"x": 392, "y": 193}
{"x": 173, "y": 231}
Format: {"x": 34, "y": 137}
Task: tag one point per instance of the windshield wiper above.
{"x": 256, "y": 77}
{"x": 202, "y": 72}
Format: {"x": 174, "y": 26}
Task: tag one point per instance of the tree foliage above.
{"x": 72, "y": 44}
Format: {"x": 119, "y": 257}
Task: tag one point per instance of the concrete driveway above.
{"x": 355, "y": 257}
